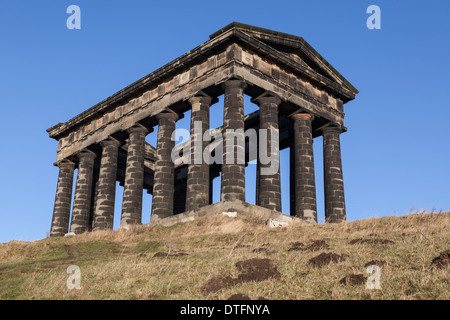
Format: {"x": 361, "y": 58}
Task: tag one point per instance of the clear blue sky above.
{"x": 395, "y": 153}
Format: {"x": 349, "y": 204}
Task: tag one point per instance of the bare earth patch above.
{"x": 442, "y": 261}
{"x": 353, "y": 279}
{"x": 326, "y": 258}
{"x": 318, "y": 245}
{"x": 251, "y": 270}
{"x": 314, "y": 246}
{"x": 239, "y": 296}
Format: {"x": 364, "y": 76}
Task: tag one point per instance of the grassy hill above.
{"x": 223, "y": 257}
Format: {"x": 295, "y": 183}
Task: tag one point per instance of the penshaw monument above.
{"x": 300, "y": 97}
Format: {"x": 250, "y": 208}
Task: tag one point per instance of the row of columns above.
{"x": 198, "y": 193}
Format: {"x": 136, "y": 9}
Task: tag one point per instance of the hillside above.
{"x": 222, "y": 257}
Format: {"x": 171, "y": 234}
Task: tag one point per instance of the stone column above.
{"x": 292, "y": 176}
{"x": 305, "y": 186}
{"x": 134, "y": 177}
{"x": 333, "y": 178}
{"x": 163, "y": 186}
{"x": 258, "y": 182}
{"x": 63, "y": 199}
{"x": 83, "y": 193}
{"x": 93, "y": 195}
{"x": 106, "y": 187}
{"x": 233, "y": 167}
{"x": 269, "y": 186}
{"x": 197, "y": 194}
{"x": 179, "y": 195}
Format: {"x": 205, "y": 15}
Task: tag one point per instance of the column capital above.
{"x": 266, "y": 98}
{"x": 137, "y": 128}
{"x": 110, "y": 141}
{"x": 332, "y": 129}
{"x": 200, "y": 100}
{"x": 86, "y": 154}
{"x": 168, "y": 115}
{"x": 234, "y": 83}
{"x": 302, "y": 116}
{"x": 66, "y": 164}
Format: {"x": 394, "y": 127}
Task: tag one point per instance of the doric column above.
{"x": 179, "y": 195}
{"x": 333, "y": 178}
{"x": 106, "y": 186}
{"x": 63, "y": 199}
{"x": 197, "y": 194}
{"x": 292, "y": 175}
{"x": 163, "y": 186}
{"x": 305, "y": 186}
{"x": 233, "y": 167}
{"x": 93, "y": 195}
{"x": 134, "y": 177}
{"x": 258, "y": 182}
{"x": 83, "y": 193}
{"x": 269, "y": 186}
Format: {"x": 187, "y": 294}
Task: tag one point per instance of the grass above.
{"x": 121, "y": 264}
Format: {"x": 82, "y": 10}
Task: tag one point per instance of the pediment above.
{"x": 291, "y": 47}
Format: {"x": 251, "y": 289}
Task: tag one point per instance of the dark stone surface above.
{"x": 83, "y": 193}
{"x": 162, "y": 203}
{"x": 179, "y": 195}
{"x": 63, "y": 199}
{"x": 333, "y": 178}
{"x": 198, "y": 170}
{"x": 106, "y": 188}
{"x": 233, "y": 174}
{"x": 134, "y": 177}
{"x": 305, "y": 187}
{"x": 269, "y": 186}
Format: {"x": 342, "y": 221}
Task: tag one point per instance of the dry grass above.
{"x": 121, "y": 264}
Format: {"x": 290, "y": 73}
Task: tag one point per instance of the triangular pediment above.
{"x": 292, "y": 47}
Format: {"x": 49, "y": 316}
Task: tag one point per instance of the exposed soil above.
{"x": 353, "y": 279}
{"x": 69, "y": 252}
{"x": 296, "y": 246}
{"x": 378, "y": 263}
{"x": 257, "y": 270}
{"x": 218, "y": 283}
{"x": 70, "y": 255}
{"x": 442, "y": 261}
{"x": 371, "y": 241}
{"x": 239, "y": 296}
{"x": 261, "y": 249}
{"x": 318, "y": 245}
{"x": 325, "y": 258}
{"x": 166, "y": 254}
{"x": 315, "y": 246}
{"x": 251, "y": 270}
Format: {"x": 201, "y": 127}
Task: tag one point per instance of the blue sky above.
{"x": 395, "y": 153}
